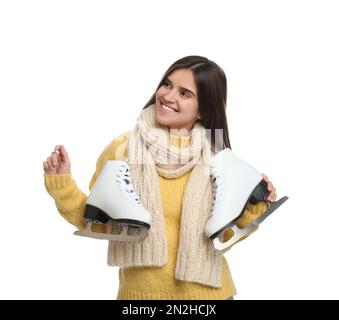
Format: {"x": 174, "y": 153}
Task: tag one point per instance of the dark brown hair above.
{"x": 211, "y": 85}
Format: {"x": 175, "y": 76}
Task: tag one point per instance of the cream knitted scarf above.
{"x": 150, "y": 153}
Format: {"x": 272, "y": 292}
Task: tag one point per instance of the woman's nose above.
{"x": 170, "y": 96}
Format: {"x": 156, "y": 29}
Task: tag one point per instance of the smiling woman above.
{"x": 196, "y": 88}
{"x": 175, "y": 260}
{"x": 176, "y": 105}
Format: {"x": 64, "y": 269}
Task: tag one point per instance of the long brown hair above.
{"x": 211, "y": 85}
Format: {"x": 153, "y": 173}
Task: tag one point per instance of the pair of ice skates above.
{"x": 235, "y": 184}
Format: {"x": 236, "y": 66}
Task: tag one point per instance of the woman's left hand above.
{"x": 272, "y": 195}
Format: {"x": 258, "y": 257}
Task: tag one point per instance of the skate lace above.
{"x": 216, "y": 184}
{"x": 125, "y": 185}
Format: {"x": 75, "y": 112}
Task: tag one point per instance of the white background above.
{"x": 79, "y": 72}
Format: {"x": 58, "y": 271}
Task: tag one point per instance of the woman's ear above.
{"x": 199, "y": 117}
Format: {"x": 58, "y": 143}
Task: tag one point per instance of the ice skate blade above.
{"x": 122, "y": 236}
{"x": 239, "y": 233}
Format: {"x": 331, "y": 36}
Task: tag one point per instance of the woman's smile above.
{"x": 167, "y": 108}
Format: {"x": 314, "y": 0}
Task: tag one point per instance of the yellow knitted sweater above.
{"x": 148, "y": 283}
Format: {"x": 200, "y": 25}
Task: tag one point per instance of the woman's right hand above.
{"x": 58, "y": 162}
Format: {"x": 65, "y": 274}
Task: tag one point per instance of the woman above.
{"x": 176, "y": 260}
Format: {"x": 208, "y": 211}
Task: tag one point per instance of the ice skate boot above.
{"x": 113, "y": 197}
{"x": 235, "y": 184}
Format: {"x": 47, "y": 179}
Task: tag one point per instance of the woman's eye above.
{"x": 184, "y": 93}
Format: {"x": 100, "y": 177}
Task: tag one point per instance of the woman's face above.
{"x": 177, "y": 92}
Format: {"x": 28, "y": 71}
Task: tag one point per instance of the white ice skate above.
{"x": 235, "y": 184}
{"x": 113, "y": 197}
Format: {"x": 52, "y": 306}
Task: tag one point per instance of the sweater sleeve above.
{"x": 70, "y": 201}
{"x": 252, "y": 212}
